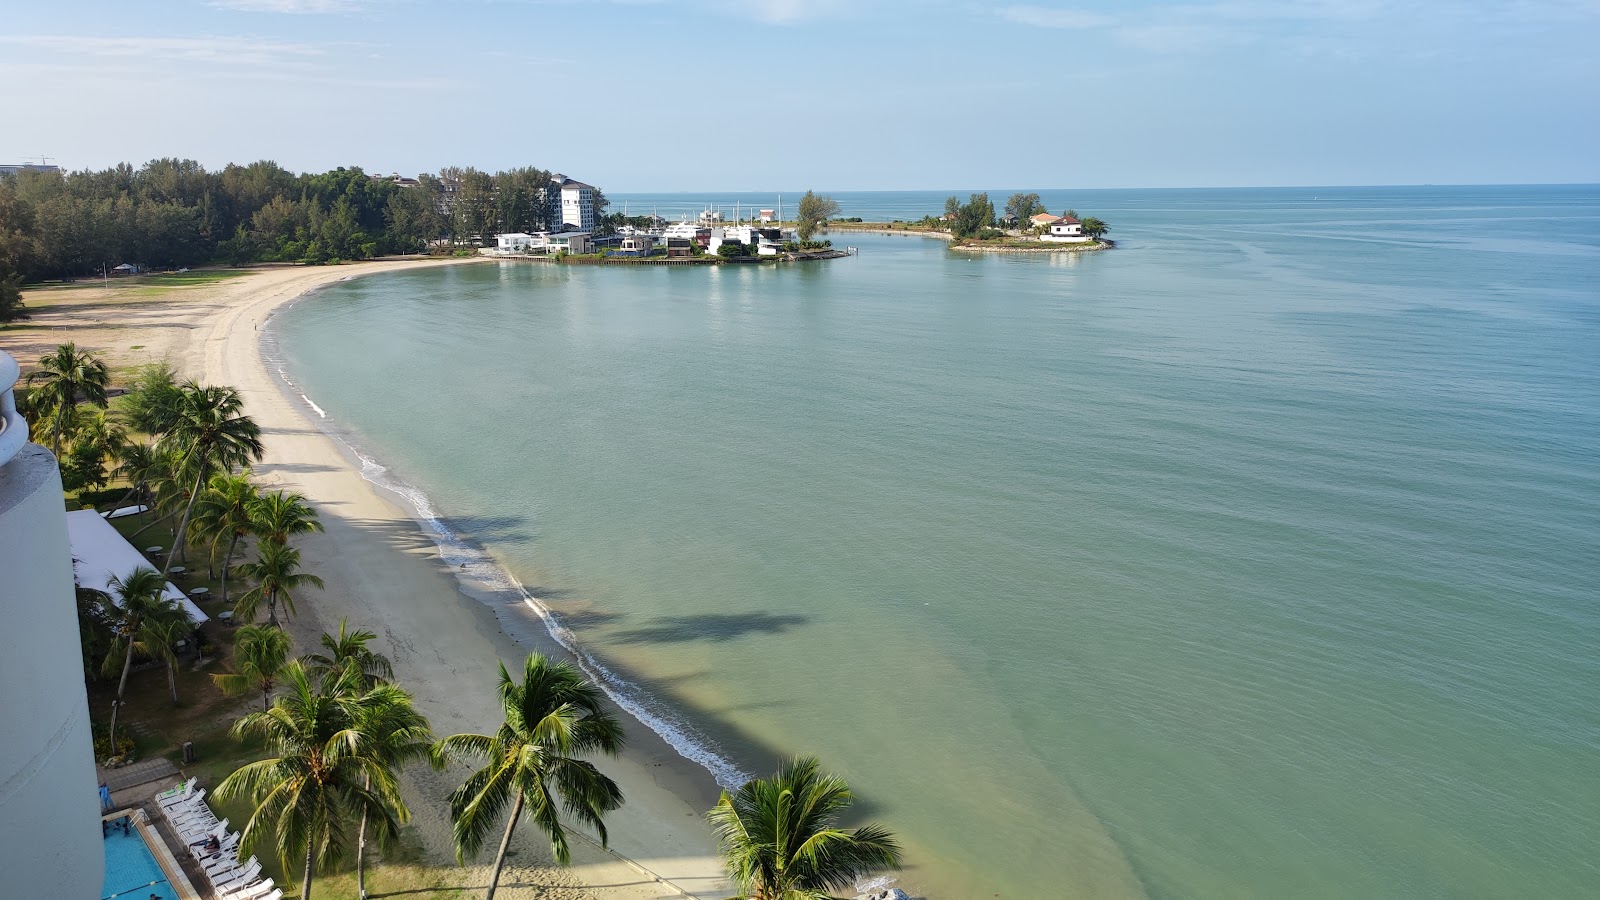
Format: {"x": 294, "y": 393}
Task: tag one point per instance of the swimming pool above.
{"x": 131, "y": 872}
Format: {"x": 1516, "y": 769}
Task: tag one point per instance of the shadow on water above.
{"x": 715, "y": 627}
{"x": 493, "y": 529}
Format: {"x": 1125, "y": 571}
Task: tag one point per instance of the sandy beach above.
{"x": 384, "y": 572}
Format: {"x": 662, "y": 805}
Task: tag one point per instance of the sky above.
{"x": 686, "y": 95}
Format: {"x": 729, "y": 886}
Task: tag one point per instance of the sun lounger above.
{"x": 185, "y": 807}
{"x": 177, "y": 796}
{"x": 200, "y": 829}
{"x": 236, "y": 877}
{"x": 195, "y": 825}
{"x": 255, "y": 891}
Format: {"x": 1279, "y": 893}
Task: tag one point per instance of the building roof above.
{"x": 1044, "y": 219}
{"x": 99, "y": 551}
{"x": 1067, "y": 220}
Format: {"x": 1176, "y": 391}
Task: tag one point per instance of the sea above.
{"x": 1258, "y": 557}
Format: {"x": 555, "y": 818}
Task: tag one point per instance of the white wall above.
{"x": 50, "y": 843}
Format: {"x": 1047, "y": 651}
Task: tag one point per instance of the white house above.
{"x": 514, "y": 242}
{"x": 578, "y": 211}
{"x": 1065, "y": 230}
{"x": 768, "y": 216}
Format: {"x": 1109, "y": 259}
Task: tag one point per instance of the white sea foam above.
{"x": 475, "y": 566}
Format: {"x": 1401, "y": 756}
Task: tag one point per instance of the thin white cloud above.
{"x": 294, "y": 7}
{"x": 219, "y": 50}
{"x": 1049, "y": 17}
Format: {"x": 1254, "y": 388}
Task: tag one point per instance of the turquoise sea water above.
{"x": 1258, "y": 557}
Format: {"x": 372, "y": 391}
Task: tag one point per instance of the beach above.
{"x": 383, "y": 572}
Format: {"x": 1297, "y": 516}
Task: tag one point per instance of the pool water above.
{"x": 131, "y": 872}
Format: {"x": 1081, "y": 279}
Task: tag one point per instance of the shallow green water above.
{"x": 1257, "y": 558}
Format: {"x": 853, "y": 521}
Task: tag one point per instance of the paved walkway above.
{"x": 141, "y": 772}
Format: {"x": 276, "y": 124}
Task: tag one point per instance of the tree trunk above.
{"x": 272, "y": 608}
{"x": 361, "y": 848}
{"x": 227, "y": 563}
{"x": 127, "y": 664}
{"x": 305, "y": 886}
{"x": 153, "y": 522}
{"x": 505, "y": 844}
{"x": 55, "y": 439}
{"x": 180, "y": 544}
{"x": 172, "y": 681}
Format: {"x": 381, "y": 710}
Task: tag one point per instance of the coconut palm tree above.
{"x": 138, "y": 601}
{"x": 260, "y": 653}
{"x": 277, "y": 575}
{"x": 325, "y": 771}
{"x": 348, "y": 650}
{"x": 141, "y": 466}
{"x": 64, "y": 376}
{"x": 156, "y": 639}
{"x": 553, "y": 716}
{"x": 1095, "y": 228}
{"x": 278, "y": 515}
{"x": 781, "y": 840}
{"x": 223, "y": 512}
{"x": 349, "y": 647}
{"x": 210, "y": 434}
{"x": 400, "y": 735}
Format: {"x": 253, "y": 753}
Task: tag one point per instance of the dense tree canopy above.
{"x": 973, "y": 216}
{"x": 1023, "y": 207}
{"x": 173, "y": 212}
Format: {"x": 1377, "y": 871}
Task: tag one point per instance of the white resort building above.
{"x": 578, "y": 211}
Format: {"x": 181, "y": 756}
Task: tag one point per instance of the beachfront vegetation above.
{"x": 970, "y": 217}
{"x": 814, "y": 212}
{"x": 173, "y": 212}
{"x": 226, "y": 511}
{"x": 1094, "y": 228}
{"x": 1022, "y": 207}
{"x": 209, "y": 433}
{"x": 333, "y": 740}
{"x": 553, "y": 715}
{"x": 65, "y": 378}
{"x": 139, "y": 603}
{"x": 781, "y": 840}
{"x": 277, "y": 574}
{"x": 11, "y": 305}
{"x": 260, "y": 653}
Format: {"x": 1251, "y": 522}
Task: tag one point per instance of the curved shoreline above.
{"x": 386, "y": 572}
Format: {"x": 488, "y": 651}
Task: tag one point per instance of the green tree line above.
{"x": 175, "y": 212}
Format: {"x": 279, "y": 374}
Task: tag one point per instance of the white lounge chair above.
{"x": 236, "y": 877}
{"x": 178, "y": 795}
{"x": 200, "y": 828}
{"x": 198, "y": 823}
{"x": 226, "y": 847}
{"x": 254, "y": 891}
{"x": 186, "y": 806}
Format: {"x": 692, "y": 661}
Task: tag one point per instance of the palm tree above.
{"x": 781, "y": 840}
{"x": 156, "y": 639}
{"x": 1095, "y": 228}
{"x": 210, "y": 433}
{"x": 552, "y": 716}
{"x": 142, "y": 467}
{"x": 350, "y": 648}
{"x": 260, "y": 653}
{"x": 140, "y": 600}
{"x": 224, "y": 511}
{"x": 65, "y": 375}
{"x": 276, "y": 574}
{"x": 325, "y": 772}
{"x": 278, "y": 515}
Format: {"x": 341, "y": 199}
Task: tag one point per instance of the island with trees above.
{"x": 1023, "y": 226}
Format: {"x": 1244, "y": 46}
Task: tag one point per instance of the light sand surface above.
{"x": 384, "y": 573}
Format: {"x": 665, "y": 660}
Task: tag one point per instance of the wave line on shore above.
{"x": 473, "y": 564}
